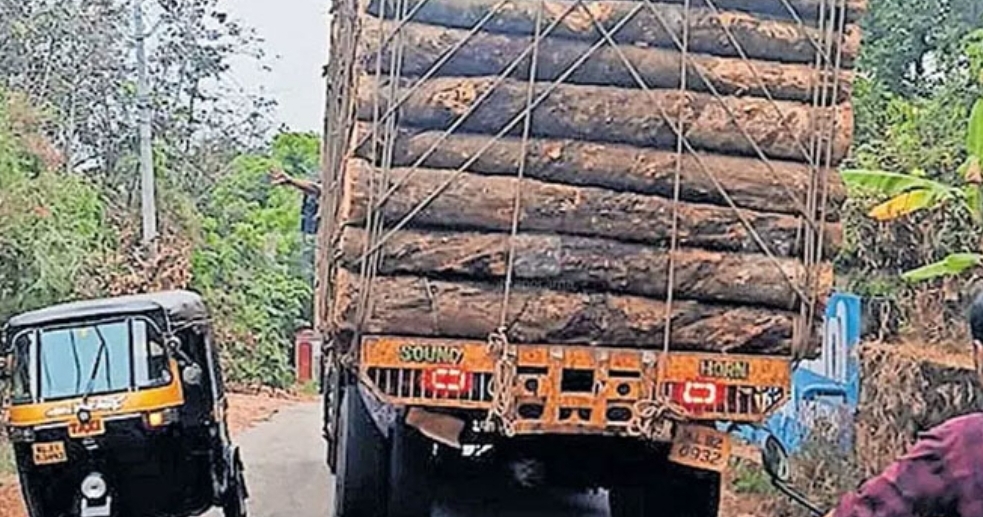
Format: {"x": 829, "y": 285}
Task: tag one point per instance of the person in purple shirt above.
{"x": 942, "y": 474}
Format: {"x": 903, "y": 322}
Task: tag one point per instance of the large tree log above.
{"x": 421, "y": 47}
{"x": 782, "y": 130}
{"x": 416, "y": 306}
{"x": 473, "y": 202}
{"x": 775, "y": 186}
{"x": 649, "y": 24}
{"x": 806, "y": 10}
{"x": 564, "y": 263}
{"x": 810, "y": 10}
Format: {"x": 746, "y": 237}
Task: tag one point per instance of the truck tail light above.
{"x": 446, "y": 381}
{"x": 695, "y": 395}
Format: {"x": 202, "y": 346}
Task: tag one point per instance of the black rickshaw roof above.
{"x": 181, "y": 308}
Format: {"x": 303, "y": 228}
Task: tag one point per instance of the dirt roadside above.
{"x": 245, "y": 411}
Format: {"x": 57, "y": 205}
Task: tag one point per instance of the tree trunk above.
{"x": 782, "y": 130}
{"x": 422, "y": 46}
{"x": 649, "y": 24}
{"x": 778, "y": 186}
{"x": 563, "y": 263}
{"x": 473, "y": 202}
{"x": 416, "y": 306}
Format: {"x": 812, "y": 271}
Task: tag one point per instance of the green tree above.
{"x": 52, "y": 226}
{"x": 251, "y": 265}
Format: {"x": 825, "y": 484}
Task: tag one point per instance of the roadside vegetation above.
{"x": 6, "y": 460}
{"x": 69, "y": 196}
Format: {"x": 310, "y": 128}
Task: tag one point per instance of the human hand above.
{"x": 278, "y": 177}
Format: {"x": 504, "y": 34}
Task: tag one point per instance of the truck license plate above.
{"x": 94, "y": 427}
{"x": 701, "y": 447}
{"x": 49, "y": 453}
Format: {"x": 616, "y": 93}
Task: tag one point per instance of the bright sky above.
{"x": 296, "y": 34}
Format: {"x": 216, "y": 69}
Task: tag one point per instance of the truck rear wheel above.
{"x": 360, "y": 469}
{"x": 410, "y": 473}
{"x": 677, "y": 492}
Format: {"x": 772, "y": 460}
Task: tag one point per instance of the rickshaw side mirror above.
{"x": 775, "y": 460}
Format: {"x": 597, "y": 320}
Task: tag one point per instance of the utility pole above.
{"x": 148, "y": 197}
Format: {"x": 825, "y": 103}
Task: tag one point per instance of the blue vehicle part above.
{"x": 828, "y": 386}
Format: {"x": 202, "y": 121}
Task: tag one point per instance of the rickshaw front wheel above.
{"x": 235, "y": 502}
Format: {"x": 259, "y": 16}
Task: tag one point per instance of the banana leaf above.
{"x": 974, "y": 138}
{"x": 904, "y": 204}
{"x": 974, "y": 201}
{"x": 889, "y": 183}
{"x": 908, "y": 193}
{"x": 950, "y": 266}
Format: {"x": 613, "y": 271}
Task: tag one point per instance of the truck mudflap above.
{"x": 575, "y": 389}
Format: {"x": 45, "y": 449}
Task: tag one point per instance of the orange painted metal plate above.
{"x": 617, "y": 378}
{"x": 409, "y": 352}
{"x": 701, "y": 447}
{"x": 728, "y": 369}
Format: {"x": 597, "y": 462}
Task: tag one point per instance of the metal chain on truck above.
{"x": 505, "y": 353}
{"x": 653, "y": 418}
{"x": 501, "y": 414}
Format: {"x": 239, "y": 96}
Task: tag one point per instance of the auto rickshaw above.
{"x": 116, "y": 408}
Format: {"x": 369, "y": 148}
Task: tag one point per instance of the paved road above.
{"x": 287, "y": 477}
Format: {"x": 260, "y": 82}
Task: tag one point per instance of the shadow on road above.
{"x": 478, "y": 499}
{"x": 287, "y": 477}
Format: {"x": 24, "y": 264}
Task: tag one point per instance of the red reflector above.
{"x": 446, "y": 380}
{"x": 698, "y": 395}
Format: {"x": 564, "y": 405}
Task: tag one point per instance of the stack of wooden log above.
{"x": 593, "y": 180}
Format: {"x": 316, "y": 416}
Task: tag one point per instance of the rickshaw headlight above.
{"x": 94, "y": 486}
{"x": 161, "y": 418}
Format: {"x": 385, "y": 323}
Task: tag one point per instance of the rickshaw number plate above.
{"x": 49, "y": 453}
{"x": 94, "y": 427}
{"x": 701, "y": 447}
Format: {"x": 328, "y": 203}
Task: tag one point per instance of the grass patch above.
{"x": 309, "y": 388}
{"x": 749, "y": 478}
{"x": 7, "y": 466}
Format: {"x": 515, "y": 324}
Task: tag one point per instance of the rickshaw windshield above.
{"x": 93, "y": 359}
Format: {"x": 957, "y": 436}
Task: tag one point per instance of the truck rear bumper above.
{"x": 566, "y": 389}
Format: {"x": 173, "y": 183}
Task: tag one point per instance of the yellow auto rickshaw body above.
{"x": 112, "y": 406}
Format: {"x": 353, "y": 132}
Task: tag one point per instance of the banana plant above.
{"x": 914, "y": 192}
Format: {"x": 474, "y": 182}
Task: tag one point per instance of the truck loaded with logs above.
{"x": 580, "y": 235}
